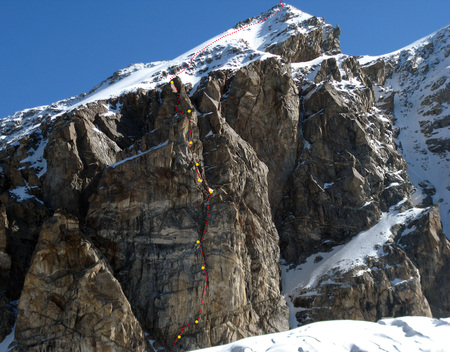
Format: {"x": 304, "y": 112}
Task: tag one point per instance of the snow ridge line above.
{"x": 224, "y": 36}
{"x": 200, "y": 178}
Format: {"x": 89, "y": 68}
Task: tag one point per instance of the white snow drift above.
{"x": 407, "y": 334}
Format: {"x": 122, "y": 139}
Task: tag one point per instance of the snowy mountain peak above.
{"x": 281, "y": 31}
{"x": 254, "y": 39}
{"x": 286, "y": 13}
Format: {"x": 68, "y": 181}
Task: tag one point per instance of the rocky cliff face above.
{"x": 101, "y": 208}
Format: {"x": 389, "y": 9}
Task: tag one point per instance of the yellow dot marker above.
{"x": 203, "y": 268}
{"x": 179, "y": 336}
{"x": 196, "y": 164}
{"x": 198, "y": 241}
{"x": 171, "y": 82}
{"x": 196, "y": 322}
{"x": 190, "y": 142}
{"x": 199, "y": 180}
{"x": 189, "y": 110}
{"x": 210, "y": 191}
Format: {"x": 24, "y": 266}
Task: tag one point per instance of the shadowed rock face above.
{"x": 98, "y": 232}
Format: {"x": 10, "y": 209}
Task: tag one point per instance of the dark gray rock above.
{"x": 429, "y": 250}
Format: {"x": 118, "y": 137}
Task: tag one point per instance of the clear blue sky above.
{"x": 54, "y": 49}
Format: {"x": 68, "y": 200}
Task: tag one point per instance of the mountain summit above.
{"x": 285, "y": 34}
{"x": 102, "y": 204}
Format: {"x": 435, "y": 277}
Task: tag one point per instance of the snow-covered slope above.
{"x": 420, "y": 82}
{"x": 408, "y": 334}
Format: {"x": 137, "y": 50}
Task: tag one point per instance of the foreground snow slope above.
{"x": 407, "y": 334}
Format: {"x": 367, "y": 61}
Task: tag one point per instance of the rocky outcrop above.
{"x": 376, "y": 71}
{"x": 426, "y": 245}
{"x": 71, "y": 297}
{"x": 301, "y": 46}
{"x": 21, "y": 215}
{"x": 79, "y": 152}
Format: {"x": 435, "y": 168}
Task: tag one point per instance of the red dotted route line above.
{"x": 226, "y": 35}
{"x": 200, "y": 178}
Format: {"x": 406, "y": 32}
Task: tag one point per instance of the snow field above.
{"x": 406, "y": 334}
